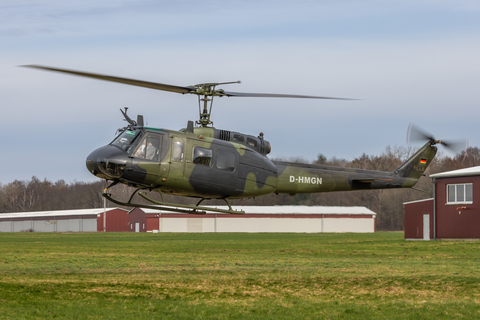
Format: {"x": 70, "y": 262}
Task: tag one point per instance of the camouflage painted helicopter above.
{"x": 208, "y": 163}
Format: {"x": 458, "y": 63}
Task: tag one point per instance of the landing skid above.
{"x": 174, "y": 207}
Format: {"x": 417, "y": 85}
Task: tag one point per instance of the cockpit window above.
{"x": 148, "y": 148}
{"x": 125, "y": 139}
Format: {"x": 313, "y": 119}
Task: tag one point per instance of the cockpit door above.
{"x": 145, "y": 164}
{"x": 163, "y": 155}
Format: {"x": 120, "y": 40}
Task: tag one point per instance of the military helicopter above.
{"x": 203, "y": 162}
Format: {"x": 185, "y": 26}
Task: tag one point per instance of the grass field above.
{"x": 236, "y": 276}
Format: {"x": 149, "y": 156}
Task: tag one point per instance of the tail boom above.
{"x": 296, "y": 178}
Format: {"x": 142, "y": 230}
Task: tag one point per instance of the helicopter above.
{"x": 204, "y": 162}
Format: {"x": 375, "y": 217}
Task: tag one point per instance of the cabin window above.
{"x": 459, "y": 193}
{"x": 177, "y": 150}
{"x": 202, "y": 156}
{"x": 148, "y": 148}
{"x": 252, "y": 142}
{"x": 226, "y": 160}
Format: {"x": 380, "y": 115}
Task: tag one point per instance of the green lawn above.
{"x": 236, "y": 276}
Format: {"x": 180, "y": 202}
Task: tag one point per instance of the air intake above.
{"x": 224, "y": 135}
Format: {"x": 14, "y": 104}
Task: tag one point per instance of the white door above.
{"x": 426, "y": 227}
{"x": 137, "y": 226}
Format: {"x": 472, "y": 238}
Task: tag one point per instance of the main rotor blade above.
{"x": 133, "y": 82}
{"x": 276, "y": 95}
{"x": 198, "y": 90}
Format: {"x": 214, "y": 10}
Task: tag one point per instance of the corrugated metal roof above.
{"x": 423, "y": 200}
{"x": 288, "y": 210}
{"x": 55, "y": 213}
{"x": 247, "y": 209}
{"x": 473, "y": 171}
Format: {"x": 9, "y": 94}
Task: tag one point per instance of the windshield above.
{"x": 125, "y": 139}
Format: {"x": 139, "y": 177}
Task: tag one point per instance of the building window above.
{"x": 459, "y": 193}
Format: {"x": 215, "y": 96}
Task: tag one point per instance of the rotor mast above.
{"x": 204, "y": 119}
{"x": 207, "y": 90}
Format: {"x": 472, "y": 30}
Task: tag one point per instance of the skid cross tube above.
{"x": 173, "y": 207}
{"x": 144, "y": 195}
{"x": 170, "y": 207}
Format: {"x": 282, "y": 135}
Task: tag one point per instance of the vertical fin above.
{"x": 415, "y": 166}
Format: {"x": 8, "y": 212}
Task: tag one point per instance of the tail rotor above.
{"x": 415, "y": 134}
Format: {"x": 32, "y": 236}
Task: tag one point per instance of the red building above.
{"x": 116, "y": 220}
{"x": 454, "y": 212}
{"x": 142, "y": 222}
{"x": 418, "y": 217}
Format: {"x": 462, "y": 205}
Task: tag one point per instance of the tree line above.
{"x": 44, "y": 195}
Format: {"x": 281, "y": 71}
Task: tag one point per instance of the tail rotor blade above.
{"x": 414, "y": 134}
{"x": 457, "y": 146}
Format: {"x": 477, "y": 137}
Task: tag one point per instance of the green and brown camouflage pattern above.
{"x": 250, "y": 173}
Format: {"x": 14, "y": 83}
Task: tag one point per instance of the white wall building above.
{"x": 82, "y": 220}
{"x": 309, "y": 219}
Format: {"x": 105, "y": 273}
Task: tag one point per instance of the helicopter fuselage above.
{"x": 195, "y": 163}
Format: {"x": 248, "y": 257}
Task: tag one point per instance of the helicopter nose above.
{"x": 107, "y": 162}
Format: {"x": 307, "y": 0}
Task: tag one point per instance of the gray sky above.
{"x": 411, "y": 61}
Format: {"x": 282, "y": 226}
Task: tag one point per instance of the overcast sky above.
{"x": 410, "y": 61}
